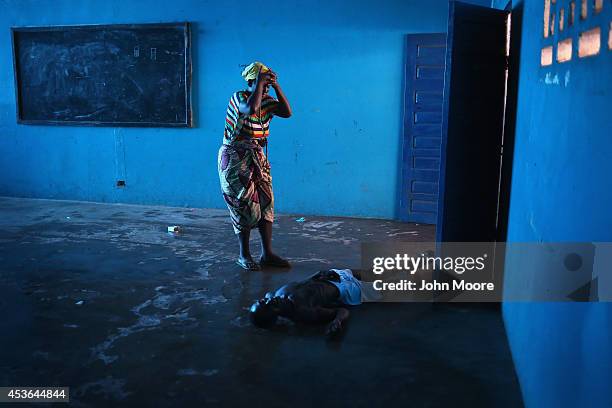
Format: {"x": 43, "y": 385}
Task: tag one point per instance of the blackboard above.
{"x": 103, "y": 75}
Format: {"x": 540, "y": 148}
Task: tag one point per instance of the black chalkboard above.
{"x": 103, "y": 75}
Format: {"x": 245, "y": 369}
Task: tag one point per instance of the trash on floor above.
{"x": 301, "y": 219}
{"x": 79, "y": 303}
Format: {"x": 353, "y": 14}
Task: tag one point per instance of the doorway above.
{"x": 459, "y": 101}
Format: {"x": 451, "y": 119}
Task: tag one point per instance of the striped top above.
{"x": 240, "y": 126}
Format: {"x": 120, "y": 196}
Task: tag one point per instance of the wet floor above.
{"x": 101, "y": 298}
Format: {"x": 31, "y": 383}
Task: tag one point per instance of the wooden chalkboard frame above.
{"x": 188, "y": 123}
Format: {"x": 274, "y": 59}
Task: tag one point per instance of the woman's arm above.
{"x": 283, "y": 109}
{"x": 253, "y": 103}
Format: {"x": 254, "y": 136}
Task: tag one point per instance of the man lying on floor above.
{"x": 318, "y": 299}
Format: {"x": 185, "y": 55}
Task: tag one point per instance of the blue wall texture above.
{"x": 561, "y": 192}
{"x": 339, "y": 62}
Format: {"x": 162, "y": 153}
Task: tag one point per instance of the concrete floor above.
{"x": 99, "y": 297}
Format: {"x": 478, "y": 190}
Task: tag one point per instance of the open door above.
{"x": 472, "y": 124}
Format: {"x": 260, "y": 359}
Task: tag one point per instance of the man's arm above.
{"x": 337, "y": 324}
{"x": 336, "y": 317}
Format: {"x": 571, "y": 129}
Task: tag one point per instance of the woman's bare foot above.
{"x": 248, "y": 263}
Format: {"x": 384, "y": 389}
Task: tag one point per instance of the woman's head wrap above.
{"x": 252, "y": 70}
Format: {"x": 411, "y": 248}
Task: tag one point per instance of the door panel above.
{"x": 472, "y": 128}
{"x": 423, "y": 100}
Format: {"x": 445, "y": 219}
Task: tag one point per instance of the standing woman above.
{"x": 244, "y": 170}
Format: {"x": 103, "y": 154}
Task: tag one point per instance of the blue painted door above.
{"x": 423, "y": 97}
{"x": 473, "y": 122}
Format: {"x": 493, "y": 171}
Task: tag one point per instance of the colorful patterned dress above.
{"x": 244, "y": 170}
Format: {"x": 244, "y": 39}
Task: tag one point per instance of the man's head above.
{"x": 264, "y": 312}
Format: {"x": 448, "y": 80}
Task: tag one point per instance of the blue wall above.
{"x": 339, "y": 62}
{"x": 561, "y": 192}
